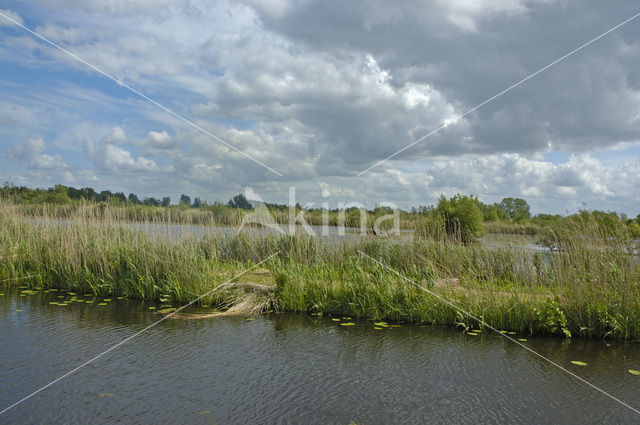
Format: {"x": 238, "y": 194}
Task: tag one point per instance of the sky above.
{"x": 320, "y": 91}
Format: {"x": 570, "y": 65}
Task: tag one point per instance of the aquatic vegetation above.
{"x": 347, "y": 324}
{"x": 634, "y": 372}
{"x": 588, "y": 287}
{"x": 578, "y": 363}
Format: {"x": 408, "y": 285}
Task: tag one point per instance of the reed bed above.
{"x": 588, "y": 286}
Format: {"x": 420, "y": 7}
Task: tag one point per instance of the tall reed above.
{"x": 590, "y": 284}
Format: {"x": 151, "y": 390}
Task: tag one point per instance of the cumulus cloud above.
{"x": 114, "y": 159}
{"x": 320, "y": 90}
{"x": 115, "y": 136}
{"x": 32, "y": 153}
{"x": 158, "y": 140}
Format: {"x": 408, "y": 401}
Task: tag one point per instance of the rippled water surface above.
{"x": 292, "y": 369}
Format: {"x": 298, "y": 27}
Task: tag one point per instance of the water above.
{"x": 291, "y": 368}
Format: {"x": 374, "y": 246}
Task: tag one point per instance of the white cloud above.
{"x": 115, "y": 136}
{"x": 114, "y": 159}
{"x": 160, "y": 140}
{"x": 11, "y": 15}
{"x": 31, "y": 153}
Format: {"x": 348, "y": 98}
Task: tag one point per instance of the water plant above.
{"x": 589, "y": 286}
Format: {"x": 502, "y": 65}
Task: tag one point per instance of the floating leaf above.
{"x": 166, "y": 310}
{"x": 19, "y": 309}
{"x": 347, "y": 324}
{"x": 107, "y": 299}
{"x": 335, "y": 320}
{"x": 72, "y": 293}
{"x": 396, "y": 326}
{"x": 249, "y": 319}
{"x": 511, "y": 333}
{"x": 377, "y": 327}
{"x": 106, "y": 395}
{"x": 476, "y": 330}
{"x": 472, "y": 333}
{"x": 578, "y": 363}
{"x": 383, "y": 324}
{"x": 102, "y": 303}
{"x": 152, "y": 308}
{"x": 120, "y": 298}
{"x": 1, "y": 295}
{"x": 522, "y": 339}
{"x": 634, "y": 372}
{"x": 88, "y": 295}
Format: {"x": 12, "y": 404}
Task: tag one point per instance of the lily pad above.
{"x": 107, "y": 299}
{"x": 511, "y": 333}
{"x": 522, "y": 339}
{"x": 578, "y": 363}
{"x": 383, "y": 324}
{"x": 634, "y": 372}
{"x": 377, "y": 328}
{"x": 102, "y": 303}
{"x": 152, "y": 308}
{"x": 335, "y": 320}
{"x": 19, "y": 309}
{"x": 347, "y": 324}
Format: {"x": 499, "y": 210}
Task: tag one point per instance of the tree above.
{"x": 196, "y": 203}
{"x": 133, "y": 198}
{"x": 462, "y": 216}
{"x": 151, "y": 202}
{"x": 489, "y": 212}
{"x": 517, "y": 208}
{"x": 185, "y": 200}
{"x": 166, "y": 201}
{"x": 57, "y": 195}
{"x": 239, "y": 201}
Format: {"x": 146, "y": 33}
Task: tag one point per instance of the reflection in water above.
{"x": 292, "y": 368}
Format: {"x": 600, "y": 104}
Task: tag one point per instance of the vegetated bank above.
{"x": 589, "y": 286}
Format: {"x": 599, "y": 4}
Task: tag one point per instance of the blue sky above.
{"x": 320, "y": 91}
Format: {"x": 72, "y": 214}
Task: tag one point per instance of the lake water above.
{"x": 292, "y": 368}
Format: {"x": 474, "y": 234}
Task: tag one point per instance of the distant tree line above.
{"x": 462, "y": 216}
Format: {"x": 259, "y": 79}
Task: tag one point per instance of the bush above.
{"x": 462, "y": 217}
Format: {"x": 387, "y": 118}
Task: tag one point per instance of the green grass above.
{"x": 588, "y": 287}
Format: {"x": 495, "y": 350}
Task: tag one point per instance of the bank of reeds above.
{"x": 589, "y": 286}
